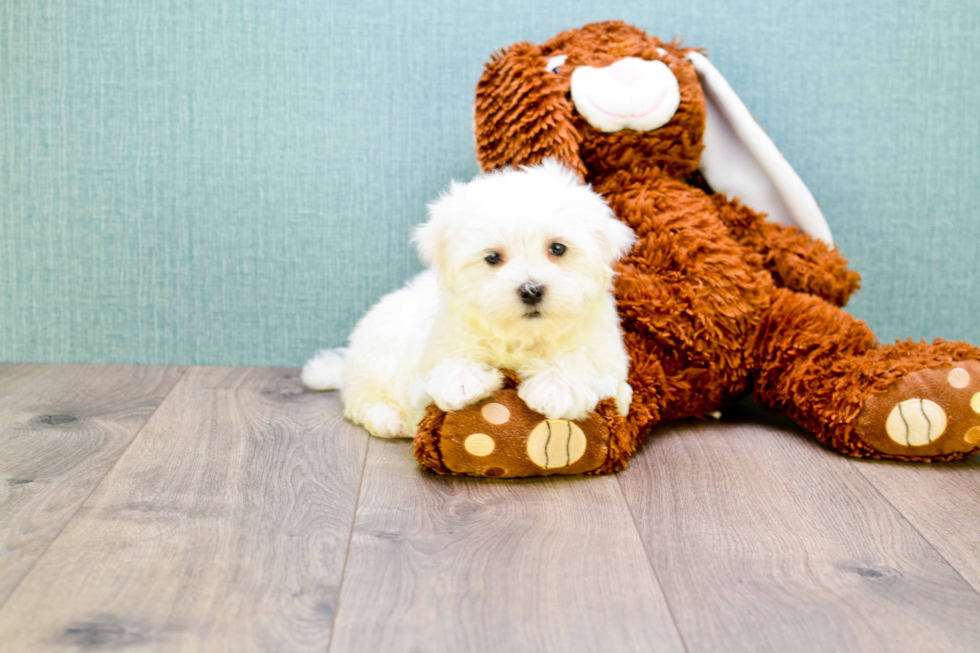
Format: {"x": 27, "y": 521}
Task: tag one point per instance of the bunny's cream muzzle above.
{"x": 629, "y": 94}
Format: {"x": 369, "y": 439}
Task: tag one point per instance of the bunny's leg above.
{"x": 906, "y": 401}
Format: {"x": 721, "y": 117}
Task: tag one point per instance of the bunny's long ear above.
{"x": 741, "y": 161}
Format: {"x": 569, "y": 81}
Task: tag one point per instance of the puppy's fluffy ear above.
{"x": 432, "y": 238}
{"x": 615, "y": 238}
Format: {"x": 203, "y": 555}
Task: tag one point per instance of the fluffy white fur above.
{"x": 444, "y": 336}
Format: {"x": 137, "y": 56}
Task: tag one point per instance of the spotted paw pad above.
{"x": 930, "y": 412}
{"x": 502, "y": 437}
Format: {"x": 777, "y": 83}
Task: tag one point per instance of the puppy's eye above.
{"x": 494, "y": 258}
{"x": 555, "y": 63}
{"x": 557, "y": 249}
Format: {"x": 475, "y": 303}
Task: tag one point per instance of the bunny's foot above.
{"x": 931, "y": 413}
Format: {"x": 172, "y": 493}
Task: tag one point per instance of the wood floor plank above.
{"x": 62, "y": 427}
{"x": 765, "y": 541}
{"x": 942, "y": 502}
{"x": 459, "y": 564}
{"x": 223, "y": 527}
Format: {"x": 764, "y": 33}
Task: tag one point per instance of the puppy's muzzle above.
{"x": 531, "y": 292}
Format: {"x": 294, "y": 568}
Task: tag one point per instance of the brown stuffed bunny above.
{"x": 714, "y": 299}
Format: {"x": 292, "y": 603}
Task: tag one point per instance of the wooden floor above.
{"x": 226, "y": 509}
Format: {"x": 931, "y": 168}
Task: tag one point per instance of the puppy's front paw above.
{"x": 558, "y": 395}
{"x": 455, "y": 384}
{"x": 610, "y": 386}
{"x": 624, "y": 397}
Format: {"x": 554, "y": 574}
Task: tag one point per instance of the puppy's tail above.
{"x": 325, "y": 371}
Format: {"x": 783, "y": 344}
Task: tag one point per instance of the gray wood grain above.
{"x": 942, "y": 501}
{"x": 224, "y": 527}
{"x": 458, "y": 564}
{"x": 765, "y": 541}
{"x": 62, "y": 427}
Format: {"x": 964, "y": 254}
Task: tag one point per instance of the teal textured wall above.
{"x": 235, "y": 182}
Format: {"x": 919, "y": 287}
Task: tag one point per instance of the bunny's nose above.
{"x": 627, "y": 70}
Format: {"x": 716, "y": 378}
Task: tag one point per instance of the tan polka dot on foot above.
{"x": 495, "y": 413}
{"x": 958, "y": 377}
{"x": 479, "y": 444}
{"x": 973, "y": 435}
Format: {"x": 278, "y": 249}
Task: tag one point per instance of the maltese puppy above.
{"x": 520, "y": 278}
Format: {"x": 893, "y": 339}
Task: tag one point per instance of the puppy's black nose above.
{"x": 531, "y": 292}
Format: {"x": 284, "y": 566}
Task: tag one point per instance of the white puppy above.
{"x": 520, "y": 279}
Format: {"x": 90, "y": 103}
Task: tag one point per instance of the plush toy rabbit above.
{"x": 715, "y": 298}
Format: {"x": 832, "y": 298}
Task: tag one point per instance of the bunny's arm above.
{"x": 796, "y": 260}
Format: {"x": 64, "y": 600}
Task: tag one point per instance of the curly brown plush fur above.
{"x": 713, "y": 298}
